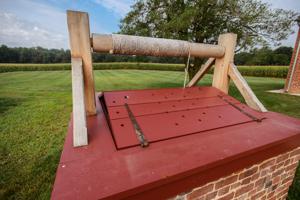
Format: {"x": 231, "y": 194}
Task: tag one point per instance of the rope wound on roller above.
{"x": 186, "y": 69}
{"x": 147, "y": 46}
{"x": 137, "y": 45}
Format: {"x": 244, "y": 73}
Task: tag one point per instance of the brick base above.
{"x": 270, "y": 180}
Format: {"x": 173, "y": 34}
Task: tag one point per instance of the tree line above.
{"x": 265, "y": 56}
{"x": 42, "y": 55}
{"x": 258, "y": 56}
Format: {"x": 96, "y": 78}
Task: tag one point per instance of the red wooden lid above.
{"x": 168, "y": 113}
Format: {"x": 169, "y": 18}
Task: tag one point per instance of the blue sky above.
{"x": 43, "y": 22}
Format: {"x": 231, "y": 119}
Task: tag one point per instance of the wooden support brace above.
{"x": 79, "y": 116}
{"x": 79, "y": 34}
{"x": 202, "y": 71}
{"x": 244, "y": 89}
{"x": 220, "y": 77}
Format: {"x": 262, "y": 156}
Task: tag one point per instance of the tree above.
{"x": 242, "y": 58}
{"x": 253, "y": 21}
{"x": 282, "y": 55}
{"x": 263, "y": 56}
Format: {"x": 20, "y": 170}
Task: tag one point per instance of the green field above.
{"x": 35, "y": 109}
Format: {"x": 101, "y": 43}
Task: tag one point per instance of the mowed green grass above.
{"x": 257, "y": 71}
{"x": 35, "y": 110}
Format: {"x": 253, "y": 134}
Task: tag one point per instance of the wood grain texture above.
{"x": 79, "y": 34}
{"x": 79, "y": 115}
{"x": 244, "y": 89}
{"x": 220, "y": 77}
{"x": 202, "y": 71}
{"x": 136, "y": 45}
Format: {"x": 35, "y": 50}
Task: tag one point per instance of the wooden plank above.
{"x": 79, "y": 115}
{"x": 220, "y": 77}
{"x": 136, "y": 45}
{"x": 201, "y": 72}
{"x": 244, "y": 89}
{"x": 79, "y": 34}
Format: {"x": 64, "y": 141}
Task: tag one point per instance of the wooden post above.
{"x": 220, "y": 77}
{"x": 79, "y": 33}
{"x": 79, "y": 115}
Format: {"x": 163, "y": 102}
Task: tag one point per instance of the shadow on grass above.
{"x": 7, "y": 103}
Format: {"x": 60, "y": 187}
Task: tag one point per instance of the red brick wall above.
{"x": 269, "y": 180}
{"x": 295, "y": 84}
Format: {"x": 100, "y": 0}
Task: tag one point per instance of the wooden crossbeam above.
{"x": 202, "y": 71}
{"x": 79, "y": 116}
{"x": 149, "y": 46}
{"x": 244, "y": 89}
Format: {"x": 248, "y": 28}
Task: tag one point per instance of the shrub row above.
{"x": 97, "y": 66}
{"x": 259, "y": 71}
{"x": 264, "y": 71}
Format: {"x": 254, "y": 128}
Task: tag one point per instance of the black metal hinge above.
{"x": 141, "y": 137}
{"x": 241, "y": 110}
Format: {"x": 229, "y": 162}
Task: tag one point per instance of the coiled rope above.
{"x": 186, "y": 70}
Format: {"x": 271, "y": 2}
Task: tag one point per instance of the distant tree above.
{"x": 33, "y": 55}
{"x": 265, "y": 56}
{"x": 284, "y": 50}
{"x": 280, "y": 59}
{"x": 262, "y": 56}
{"x": 282, "y": 55}
{"x": 242, "y": 58}
{"x": 203, "y": 20}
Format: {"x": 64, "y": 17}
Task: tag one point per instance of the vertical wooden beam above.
{"x": 79, "y": 34}
{"x": 79, "y": 115}
{"x": 220, "y": 77}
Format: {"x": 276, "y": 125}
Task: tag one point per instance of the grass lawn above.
{"x": 35, "y": 109}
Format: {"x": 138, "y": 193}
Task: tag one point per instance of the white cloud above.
{"x": 119, "y": 7}
{"x": 31, "y": 23}
{"x": 19, "y": 32}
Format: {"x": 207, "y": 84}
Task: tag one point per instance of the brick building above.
{"x": 292, "y": 84}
